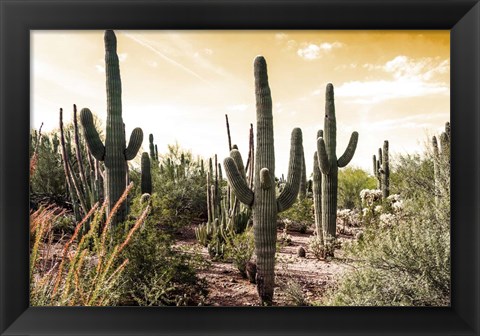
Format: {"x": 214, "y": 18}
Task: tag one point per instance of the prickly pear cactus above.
{"x": 263, "y": 200}
{"x": 113, "y": 153}
{"x": 329, "y": 164}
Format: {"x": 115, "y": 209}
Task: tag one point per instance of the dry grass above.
{"x": 89, "y": 271}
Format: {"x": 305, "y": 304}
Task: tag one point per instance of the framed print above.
{"x": 142, "y": 213}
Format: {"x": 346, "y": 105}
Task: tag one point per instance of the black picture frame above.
{"x": 18, "y": 17}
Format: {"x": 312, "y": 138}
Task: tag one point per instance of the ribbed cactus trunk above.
{"x": 113, "y": 153}
{"x": 327, "y": 157}
{"x": 317, "y": 196}
{"x": 385, "y": 171}
{"x": 146, "y": 174}
{"x": 302, "y": 193}
{"x": 264, "y": 203}
{"x": 441, "y": 162}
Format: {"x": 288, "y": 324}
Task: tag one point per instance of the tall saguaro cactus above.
{"x": 441, "y": 162}
{"x": 317, "y": 195}
{"x": 146, "y": 178}
{"x": 263, "y": 201}
{"x": 114, "y": 152}
{"x": 329, "y": 164}
{"x": 381, "y": 169}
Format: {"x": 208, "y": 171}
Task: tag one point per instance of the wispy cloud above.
{"x": 312, "y": 51}
{"x": 149, "y": 46}
{"x": 406, "y": 78}
{"x": 418, "y": 121}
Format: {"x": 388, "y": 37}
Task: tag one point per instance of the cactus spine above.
{"x": 264, "y": 202}
{"x": 327, "y": 160}
{"x": 114, "y": 153}
{"x": 146, "y": 178}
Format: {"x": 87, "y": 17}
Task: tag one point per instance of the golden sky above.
{"x": 178, "y": 85}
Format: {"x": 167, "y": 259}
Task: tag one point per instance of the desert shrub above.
{"x": 403, "y": 257}
{"x": 158, "y": 274}
{"x": 351, "y": 181}
{"x": 179, "y": 184}
{"x": 240, "y": 248}
{"x": 47, "y": 181}
{"x": 300, "y": 216}
{"x": 293, "y": 292}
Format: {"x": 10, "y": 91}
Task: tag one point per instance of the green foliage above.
{"x": 403, "y": 257}
{"x": 157, "y": 274}
{"x": 351, "y": 181}
{"x": 48, "y": 179}
{"x": 300, "y": 216}
{"x": 240, "y": 248}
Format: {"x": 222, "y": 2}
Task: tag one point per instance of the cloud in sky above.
{"x": 312, "y": 51}
{"x": 163, "y": 56}
{"x": 408, "y": 78}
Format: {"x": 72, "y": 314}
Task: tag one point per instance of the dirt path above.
{"x": 296, "y": 278}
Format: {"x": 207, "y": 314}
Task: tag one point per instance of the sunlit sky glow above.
{"x": 179, "y": 85}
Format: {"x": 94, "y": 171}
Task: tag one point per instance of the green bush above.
{"x": 300, "y": 216}
{"x": 403, "y": 258}
{"x": 48, "y": 179}
{"x": 351, "y": 181}
{"x": 157, "y": 274}
{"x": 240, "y": 248}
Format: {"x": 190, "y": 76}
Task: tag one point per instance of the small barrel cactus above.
{"x": 264, "y": 201}
{"x": 114, "y": 152}
{"x": 329, "y": 164}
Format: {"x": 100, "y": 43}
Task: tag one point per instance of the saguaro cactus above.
{"x": 114, "y": 153}
{"x": 146, "y": 178}
{"x": 381, "y": 169}
{"x": 302, "y": 193}
{"x": 441, "y": 162}
{"x": 327, "y": 160}
{"x": 317, "y": 195}
{"x": 263, "y": 201}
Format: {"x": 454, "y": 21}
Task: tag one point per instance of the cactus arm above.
{"x": 237, "y": 157}
{"x": 375, "y": 171}
{"x": 289, "y": 193}
{"x": 238, "y": 184}
{"x": 136, "y": 139}
{"x": 323, "y": 161}
{"x": 94, "y": 144}
{"x": 349, "y": 151}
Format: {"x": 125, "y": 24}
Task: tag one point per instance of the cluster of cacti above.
{"x": 85, "y": 186}
{"x": 212, "y": 233}
{"x": 146, "y": 174}
{"x": 329, "y": 164}
{"x": 263, "y": 199}
{"x": 381, "y": 170}
{"x": 114, "y": 153}
{"x": 441, "y": 162}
